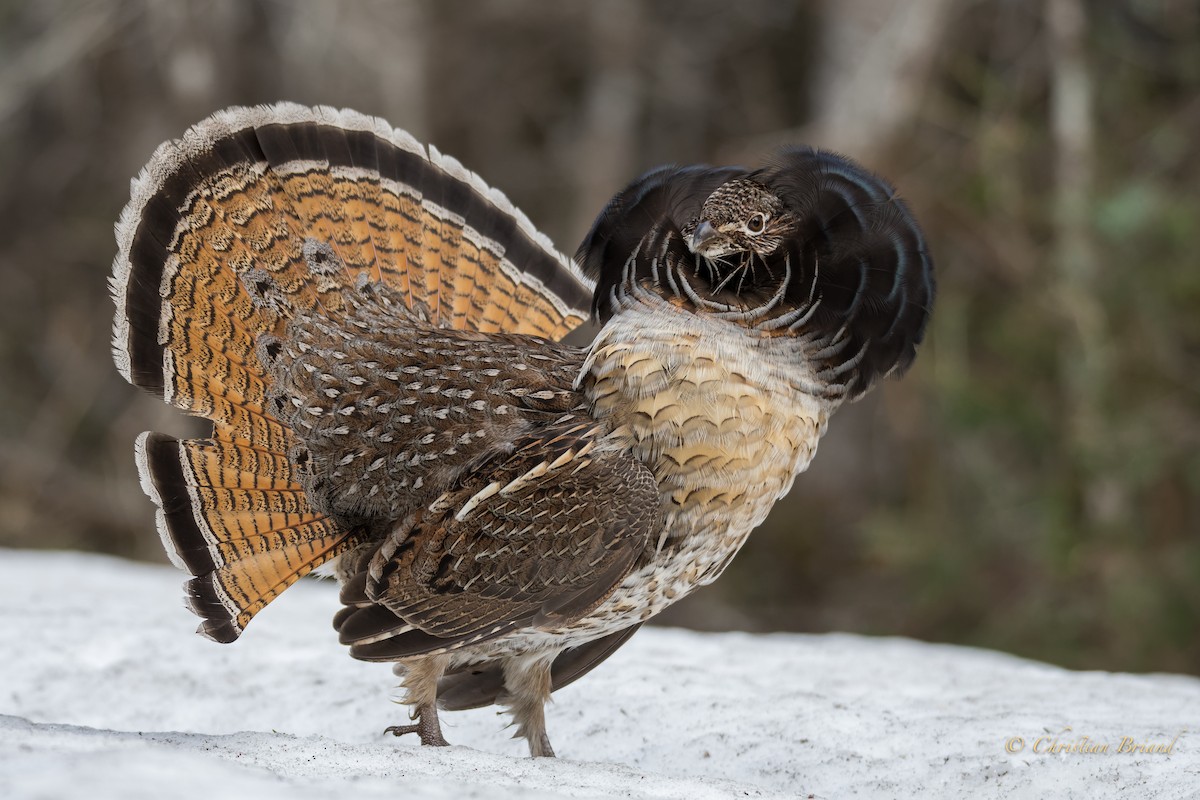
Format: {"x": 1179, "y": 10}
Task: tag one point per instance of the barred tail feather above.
{"x": 252, "y": 218}
{"x": 246, "y": 539}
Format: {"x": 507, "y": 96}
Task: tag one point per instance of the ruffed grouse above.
{"x": 374, "y": 333}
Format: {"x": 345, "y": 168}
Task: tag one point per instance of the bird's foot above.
{"x": 427, "y": 727}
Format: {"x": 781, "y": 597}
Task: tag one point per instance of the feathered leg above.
{"x": 527, "y": 687}
{"x": 420, "y": 682}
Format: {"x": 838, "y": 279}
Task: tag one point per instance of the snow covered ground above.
{"x": 105, "y": 692}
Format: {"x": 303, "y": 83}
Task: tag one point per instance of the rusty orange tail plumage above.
{"x": 212, "y": 258}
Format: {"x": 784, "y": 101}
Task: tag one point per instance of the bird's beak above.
{"x": 703, "y": 234}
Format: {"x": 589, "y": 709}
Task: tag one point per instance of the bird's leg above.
{"x": 421, "y": 677}
{"x": 527, "y": 686}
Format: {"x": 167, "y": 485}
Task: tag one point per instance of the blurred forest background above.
{"x": 1032, "y": 485}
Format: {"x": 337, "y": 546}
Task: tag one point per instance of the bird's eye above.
{"x": 757, "y": 224}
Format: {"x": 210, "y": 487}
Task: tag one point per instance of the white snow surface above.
{"x": 106, "y": 693}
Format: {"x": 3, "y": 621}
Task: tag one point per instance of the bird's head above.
{"x": 740, "y": 217}
{"x": 811, "y": 247}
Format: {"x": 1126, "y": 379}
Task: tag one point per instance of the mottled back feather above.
{"x": 533, "y": 541}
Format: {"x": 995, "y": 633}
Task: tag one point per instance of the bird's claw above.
{"x": 426, "y": 726}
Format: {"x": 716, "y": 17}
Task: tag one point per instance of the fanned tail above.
{"x": 257, "y": 215}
